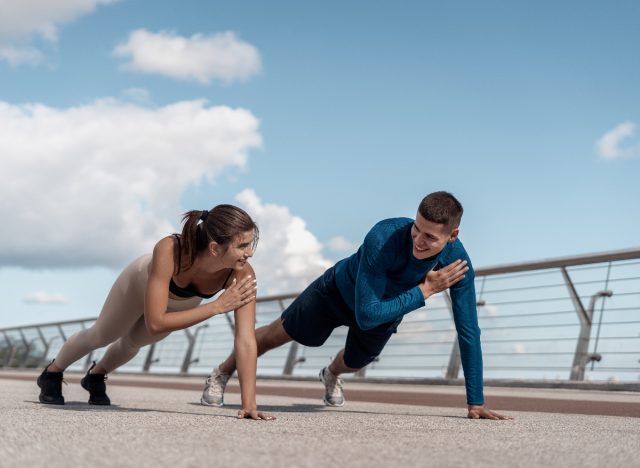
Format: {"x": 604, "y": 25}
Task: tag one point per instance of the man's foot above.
{"x": 95, "y": 385}
{"x": 50, "y": 384}
{"x": 213, "y": 394}
{"x": 333, "y": 394}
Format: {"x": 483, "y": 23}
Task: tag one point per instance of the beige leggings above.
{"x": 121, "y": 321}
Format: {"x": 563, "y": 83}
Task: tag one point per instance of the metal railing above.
{"x": 574, "y": 318}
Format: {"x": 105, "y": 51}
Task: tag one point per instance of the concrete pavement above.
{"x": 153, "y": 423}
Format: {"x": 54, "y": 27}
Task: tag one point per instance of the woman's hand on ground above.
{"x": 254, "y": 414}
{"x": 480, "y": 412}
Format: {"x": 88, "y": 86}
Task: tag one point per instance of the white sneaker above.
{"x": 213, "y": 394}
{"x": 333, "y": 394}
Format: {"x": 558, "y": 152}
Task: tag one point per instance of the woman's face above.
{"x": 239, "y": 251}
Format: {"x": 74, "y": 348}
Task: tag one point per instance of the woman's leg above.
{"x": 126, "y": 347}
{"x": 123, "y": 307}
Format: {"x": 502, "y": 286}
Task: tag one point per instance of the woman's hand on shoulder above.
{"x": 240, "y": 292}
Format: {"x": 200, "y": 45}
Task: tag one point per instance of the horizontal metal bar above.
{"x": 572, "y": 338}
{"x": 555, "y": 325}
{"x": 555, "y": 285}
{"x": 612, "y": 256}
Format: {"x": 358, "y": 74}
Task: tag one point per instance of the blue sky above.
{"x": 335, "y": 115}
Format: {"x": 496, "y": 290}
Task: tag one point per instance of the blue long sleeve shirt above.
{"x": 380, "y": 284}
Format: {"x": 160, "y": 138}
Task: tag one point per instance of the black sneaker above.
{"x": 50, "y": 384}
{"x": 95, "y": 385}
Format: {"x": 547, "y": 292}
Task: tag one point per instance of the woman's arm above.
{"x": 157, "y": 295}
{"x": 246, "y": 351}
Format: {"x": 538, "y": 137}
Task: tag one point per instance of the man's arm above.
{"x": 373, "y": 310}
{"x": 465, "y": 316}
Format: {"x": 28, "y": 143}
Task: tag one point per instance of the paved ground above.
{"x": 153, "y": 425}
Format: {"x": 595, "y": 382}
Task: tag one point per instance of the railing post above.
{"x": 149, "y": 359}
{"x": 582, "y": 345}
{"x": 292, "y": 355}
{"x": 291, "y": 359}
{"x": 453, "y": 368}
{"x": 581, "y": 356}
{"x": 191, "y": 338}
{"x": 62, "y": 334}
{"x": 11, "y": 351}
{"x": 45, "y": 346}
{"x": 43, "y": 361}
{"x": 27, "y": 349}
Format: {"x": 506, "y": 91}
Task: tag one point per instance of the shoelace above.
{"x": 334, "y": 382}
{"x": 213, "y": 386}
{"x": 337, "y": 389}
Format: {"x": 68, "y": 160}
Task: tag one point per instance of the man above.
{"x": 401, "y": 263}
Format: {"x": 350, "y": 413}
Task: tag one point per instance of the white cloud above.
{"x": 340, "y": 244}
{"x": 100, "y": 183}
{"x": 608, "y": 146}
{"x": 16, "y": 56}
{"x": 41, "y": 297}
{"x": 200, "y": 58}
{"x": 21, "y": 20}
{"x": 289, "y": 255}
{"x": 24, "y": 18}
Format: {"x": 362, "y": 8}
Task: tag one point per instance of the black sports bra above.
{"x": 191, "y": 291}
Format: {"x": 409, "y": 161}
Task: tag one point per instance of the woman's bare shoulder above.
{"x": 164, "y": 250}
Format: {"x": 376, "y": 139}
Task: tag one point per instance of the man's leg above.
{"x": 267, "y": 337}
{"x": 329, "y": 376}
{"x": 309, "y": 320}
{"x": 362, "y": 347}
{"x": 338, "y": 366}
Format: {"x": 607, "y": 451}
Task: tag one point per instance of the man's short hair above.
{"x": 441, "y": 208}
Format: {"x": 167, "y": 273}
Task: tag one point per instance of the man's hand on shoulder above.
{"x": 437, "y": 281}
{"x": 480, "y": 412}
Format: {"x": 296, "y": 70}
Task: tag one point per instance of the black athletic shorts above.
{"x": 320, "y": 308}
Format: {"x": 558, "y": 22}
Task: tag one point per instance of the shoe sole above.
{"x": 50, "y": 402}
{"x": 324, "y": 400}
{"x": 99, "y": 403}
{"x": 206, "y": 403}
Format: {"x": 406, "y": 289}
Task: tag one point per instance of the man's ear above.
{"x": 454, "y": 235}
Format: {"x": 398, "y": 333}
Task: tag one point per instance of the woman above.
{"x": 211, "y": 254}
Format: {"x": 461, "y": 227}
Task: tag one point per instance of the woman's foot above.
{"x": 50, "y": 384}
{"x": 95, "y": 385}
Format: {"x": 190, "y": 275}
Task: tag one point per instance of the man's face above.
{"x": 430, "y": 238}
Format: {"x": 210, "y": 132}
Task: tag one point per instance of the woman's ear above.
{"x": 214, "y": 248}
